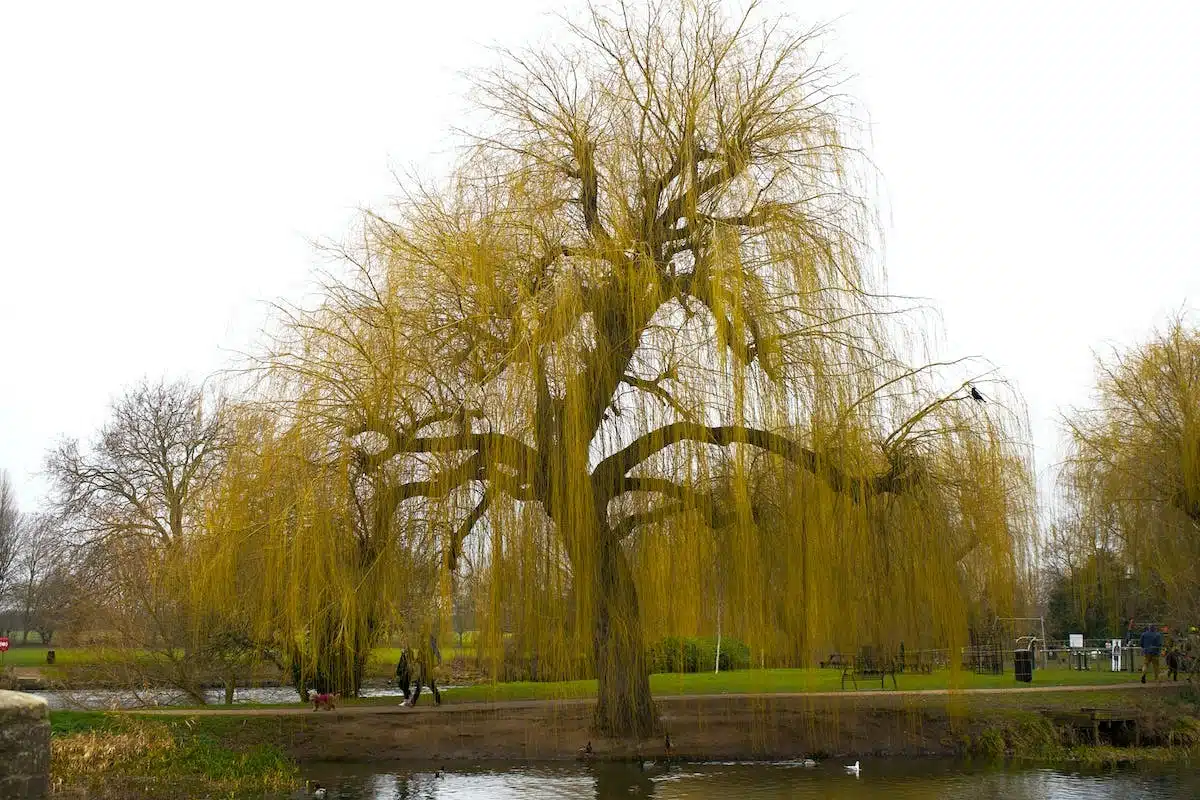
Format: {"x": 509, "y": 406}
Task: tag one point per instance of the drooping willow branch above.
{"x": 683, "y": 499}
{"x": 610, "y": 475}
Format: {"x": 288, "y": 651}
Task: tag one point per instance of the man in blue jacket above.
{"x": 1152, "y": 642}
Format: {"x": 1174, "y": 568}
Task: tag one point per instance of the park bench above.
{"x": 868, "y": 665}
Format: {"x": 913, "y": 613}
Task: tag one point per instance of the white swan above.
{"x": 808, "y": 762}
{"x": 854, "y": 769}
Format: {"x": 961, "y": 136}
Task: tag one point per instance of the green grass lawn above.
{"x": 388, "y": 656}
{"x": 765, "y": 681}
{"x": 734, "y": 682}
{"x": 783, "y": 680}
{"x": 768, "y": 681}
{"x": 35, "y": 656}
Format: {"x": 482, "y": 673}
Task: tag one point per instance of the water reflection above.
{"x": 895, "y": 779}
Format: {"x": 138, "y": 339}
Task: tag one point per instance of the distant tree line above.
{"x": 1126, "y": 542}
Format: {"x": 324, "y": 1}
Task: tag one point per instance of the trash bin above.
{"x": 49, "y": 656}
{"x": 1023, "y": 665}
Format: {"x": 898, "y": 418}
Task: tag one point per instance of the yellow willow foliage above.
{"x": 1132, "y": 480}
{"x": 629, "y": 366}
{"x": 284, "y": 560}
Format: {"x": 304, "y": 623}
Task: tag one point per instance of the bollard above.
{"x": 24, "y": 746}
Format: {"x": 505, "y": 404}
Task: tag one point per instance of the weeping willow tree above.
{"x": 1132, "y": 478}
{"x": 289, "y": 562}
{"x": 631, "y": 360}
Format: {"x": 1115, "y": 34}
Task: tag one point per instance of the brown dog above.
{"x": 323, "y": 700}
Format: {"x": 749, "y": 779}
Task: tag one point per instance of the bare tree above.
{"x": 9, "y": 527}
{"x": 144, "y": 470}
{"x": 131, "y": 500}
{"x": 40, "y": 553}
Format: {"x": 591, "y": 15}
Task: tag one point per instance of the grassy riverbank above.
{"x": 753, "y": 681}
{"x": 109, "y": 755}
{"x": 99, "y": 755}
{"x": 1168, "y": 724}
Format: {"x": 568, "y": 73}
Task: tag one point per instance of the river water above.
{"x": 895, "y": 779}
{"x": 111, "y": 699}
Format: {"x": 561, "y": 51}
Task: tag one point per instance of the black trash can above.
{"x": 1023, "y": 664}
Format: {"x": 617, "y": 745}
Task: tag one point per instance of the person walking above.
{"x": 1151, "y": 642}
{"x": 404, "y": 674}
{"x": 1172, "y": 659}
{"x": 425, "y": 674}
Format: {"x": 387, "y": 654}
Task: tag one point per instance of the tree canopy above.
{"x": 1131, "y": 482}
{"x": 631, "y": 358}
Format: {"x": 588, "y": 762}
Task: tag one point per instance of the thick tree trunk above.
{"x": 624, "y": 707}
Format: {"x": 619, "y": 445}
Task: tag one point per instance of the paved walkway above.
{"x": 517, "y": 705}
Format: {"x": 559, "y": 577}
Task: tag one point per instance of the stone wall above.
{"x": 24, "y": 746}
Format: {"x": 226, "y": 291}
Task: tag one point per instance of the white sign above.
{"x": 1076, "y": 640}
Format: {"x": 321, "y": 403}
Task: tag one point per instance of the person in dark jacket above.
{"x": 424, "y": 673}
{"x": 1173, "y": 659}
{"x": 1151, "y": 642}
{"x": 404, "y": 674}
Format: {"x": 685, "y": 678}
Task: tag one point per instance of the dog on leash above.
{"x": 324, "y": 700}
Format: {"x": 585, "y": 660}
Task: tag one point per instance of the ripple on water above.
{"x": 895, "y": 779}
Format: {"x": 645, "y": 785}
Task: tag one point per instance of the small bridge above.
{"x": 1117, "y": 725}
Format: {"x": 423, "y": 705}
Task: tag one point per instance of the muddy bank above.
{"x": 760, "y": 727}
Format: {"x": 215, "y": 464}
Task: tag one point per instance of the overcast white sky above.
{"x": 163, "y": 167}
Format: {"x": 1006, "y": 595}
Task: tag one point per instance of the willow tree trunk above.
{"x": 339, "y": 663}
{"x": 624, "y": 706}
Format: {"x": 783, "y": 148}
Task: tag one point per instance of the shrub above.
{"x": 522, "y": 663}
{"x": 696, "y": 654}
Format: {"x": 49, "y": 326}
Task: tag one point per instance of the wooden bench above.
{"x": 868, "y": 665}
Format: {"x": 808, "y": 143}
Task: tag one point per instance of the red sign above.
{"x": 3, "y": 643}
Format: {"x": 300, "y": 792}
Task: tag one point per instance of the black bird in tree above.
{"x": 976, "y": 396}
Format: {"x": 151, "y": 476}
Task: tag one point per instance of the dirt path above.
{"x": 523, "y": 705}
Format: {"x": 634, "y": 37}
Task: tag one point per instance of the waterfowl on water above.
{"x": 808, "y": 762}
{"x": 854, "y": 769}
